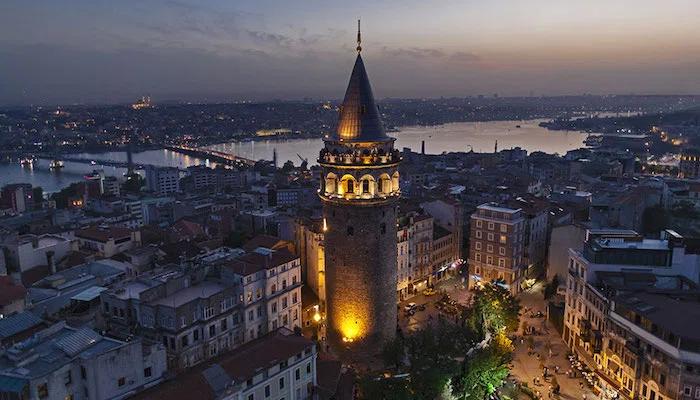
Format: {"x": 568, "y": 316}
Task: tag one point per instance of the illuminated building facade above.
{"x": 359, "y": 189}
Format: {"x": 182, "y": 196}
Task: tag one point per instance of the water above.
{"x": 462, "y": 136}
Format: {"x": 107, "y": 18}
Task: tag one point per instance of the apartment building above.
{"x": 194, "y": 317}
{"x": 496, "y": 247}
{"x": 627, "y": 301}
{"x": 162, "y": 180}
{"x": 61, "y": 362}
{"x": 271, "y": 289}
{"x": 278, "y": 365}
{"x": 107, "y": 241}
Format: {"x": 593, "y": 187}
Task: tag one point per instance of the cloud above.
{"x": 464, "y": 57}
{"x": 413, "y": 52}
{"x": 265, "y": 38}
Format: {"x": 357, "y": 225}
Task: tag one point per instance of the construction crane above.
{"x": 304, "y": 161}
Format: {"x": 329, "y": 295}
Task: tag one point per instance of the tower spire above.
{"x": 359, "y": 37}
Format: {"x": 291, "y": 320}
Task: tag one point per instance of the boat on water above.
{"x": 27, "y": 162}
{"x": 56, "y": 165}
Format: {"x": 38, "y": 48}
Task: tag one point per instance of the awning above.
{"x": 89, "y": 294}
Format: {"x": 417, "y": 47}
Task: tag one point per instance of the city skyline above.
{"x": 96, "y": 52}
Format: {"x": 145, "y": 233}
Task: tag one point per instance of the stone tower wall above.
{"x": 361, "y": 273}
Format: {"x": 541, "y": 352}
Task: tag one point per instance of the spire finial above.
{"x": 359, "y": 37}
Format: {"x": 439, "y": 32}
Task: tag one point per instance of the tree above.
{"x": 389, "y": 389}
{"x": 133, "y": 183}
{"x": 551, "y": 288}
{"x": 393, "y": 352}
{"x": 499, "y": 310}
{"x": 482, "y": 373}
{"x": 431, "y": 355}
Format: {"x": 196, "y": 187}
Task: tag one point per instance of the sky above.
{"x": 96, "y": 51}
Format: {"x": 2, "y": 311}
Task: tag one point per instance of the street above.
{"x": 527, "y": 367}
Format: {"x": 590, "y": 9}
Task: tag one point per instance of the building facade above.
{"x": 626, "y": 302}
{"x": 496, "y": 247}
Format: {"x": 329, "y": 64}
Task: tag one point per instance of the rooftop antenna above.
{"x": 359, "y": 37}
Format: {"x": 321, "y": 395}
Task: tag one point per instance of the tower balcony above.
{"x": 359, "y": 158}
{"x": 359, "y": 199}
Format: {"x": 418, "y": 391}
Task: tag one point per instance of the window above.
{"x": 297, "y": 374}
{"x": 491, "y": 226}
{"x": 687, "y": 390}
{"x": 479, "y": 223}
{"x": 267, "y": 391}
{"x": 42, "y": 390}
{"x": 490, "y": 237}
{"x": 489, "y": 248}
{"x": 121, "y": 382}
{"x": 273, "y": 307}
{"x": 68, "y": 379}
{"x": 382, "y": 227}
{"x": 284, "y": 303}
{"x": 281, "y": 383}
{"x": 503, "y": 239}
{"x": 184, "y": 341}
{"x": 195, "y": 335}
{"x": 351, "y": 231}
{"x": 251, "y": 316}
{"x": 365, "y": 186}
{"x": 294, "y": 298}
{"x": 260, "y": 311}
{"x": 308, "y": 368}
{"x": 212, "y": 330}
{"x": 502, "y": 262}
{"x": 224, "y": 325}
{"x": 147, "y": 372}
{"x": 477, "y": 257}
{"x": 501, "y": 250}
{"x": 489, "y": 260}
{"x": 477, "y": 245}
{"x": 251, "y": 396}
{"x": 83, "y": 373}
{"x": 208, "y": 312}
{"x": 478, "y": 234}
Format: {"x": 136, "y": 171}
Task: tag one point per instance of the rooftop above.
{"x": 671, "y": 313}
{"x": 52, "y": 348}
{"x": 205, "y": 381}
{"x": 201, "y": 290}
{"x": 102, "y": 233}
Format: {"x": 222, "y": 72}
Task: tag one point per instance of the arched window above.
{"x": 384, "y": 184}
{"x": 331, "y": 184}
{"x": 395, "y": 182}
{"x": 347, "y": 185}
{"x": 365, "y": 186}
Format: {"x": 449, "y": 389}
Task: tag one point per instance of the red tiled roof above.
{"x": 252, "y": 262}
{"x": 10, "y": 291}
{"x": 101, "y": 234}
{"x": 266, "y": 241}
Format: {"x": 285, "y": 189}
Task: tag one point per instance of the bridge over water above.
{"x": 212, "y": 155}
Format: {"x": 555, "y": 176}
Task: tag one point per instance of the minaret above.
{"x": 359, "y": 190}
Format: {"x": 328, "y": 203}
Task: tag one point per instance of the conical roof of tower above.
{"x": 359, "y": 117}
